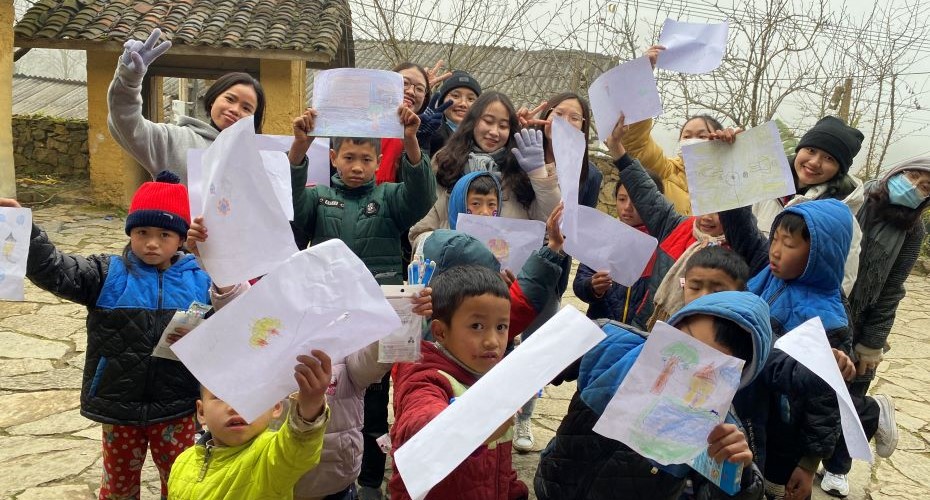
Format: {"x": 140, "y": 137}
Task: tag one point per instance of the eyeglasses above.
{"x": 923, "y": 187}
{"x": 571, "y": 117}
{"x": 419, "y": 89}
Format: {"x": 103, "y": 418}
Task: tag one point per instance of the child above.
{"x": 142, "y": 401}
{"x": 679, "y": 236}
{"x": 801, "y": 274}
{"x": 462, "y": 90}
{"x": 714, "y": 269}
{"x": 894, "y": 232}
{"x": 477, "y": 193}
{"x": 471, "y": 316}
{"x": 483, "y": 142}
{"x": 581, "y": 464}
{"x": 606, "y": 298}
{"x": 239, "y": 459}
{"x": 370, "y": 219}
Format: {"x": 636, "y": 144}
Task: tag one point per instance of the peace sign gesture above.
{"x": 433, "y": 78}
{"x": 137, "y": 55}
{"x": 525, "y": 116}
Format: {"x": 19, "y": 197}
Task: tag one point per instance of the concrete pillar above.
{"x": 285, "y": 84}
{"x": 7, "y": 168}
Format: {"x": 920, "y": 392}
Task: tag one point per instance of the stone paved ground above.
{"x": 48, "y": 451}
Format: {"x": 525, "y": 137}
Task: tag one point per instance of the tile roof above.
{"x": 303, "y": 28}
{"x": 527, "y": 77}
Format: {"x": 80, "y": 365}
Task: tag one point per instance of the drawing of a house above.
{"x": 8, "y": 246}
{"x": 701, "y": 386}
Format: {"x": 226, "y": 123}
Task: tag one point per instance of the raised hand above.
{"x": 434, "y": 78}
{"x": 9, "y": 202}
{"x": 431, "y": 119}
{"x": 615, "y": 141}
{"x": 529, "y": 151}
{"x": 525, "y": 116}
{"x": 554, "y": 230}
{"x": 303, "y": 129}
{"x": 313, "y": 375}
{"x": 137, "y": 55}
{"x": 653, "y": 54}
{"x": 600, "y": 283}
{"x": 196, "y": 233}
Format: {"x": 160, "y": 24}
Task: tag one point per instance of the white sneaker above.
{"x": 886, "y": 437}
{"x": 836, "y": 485}
{"x": 523, "y": 440}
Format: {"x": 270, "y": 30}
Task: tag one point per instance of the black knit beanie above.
{"x": 839, "y": 140}
{"x": 459, "y": 79}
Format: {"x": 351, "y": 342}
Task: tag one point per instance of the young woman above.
{"x": 462, "y": 90}
{"x": 416, "y": 96}
{"x": 893, "y": 233}
{"x": 160, "y": 146}
{"x": 485, "y": 140}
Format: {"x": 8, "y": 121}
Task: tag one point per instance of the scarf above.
{"x": 479, "y": 161}
{"x": 669, "y": 297}
{"x": 452, "y": 125}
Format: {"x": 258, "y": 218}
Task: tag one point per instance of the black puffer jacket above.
{"x": 127, "y": 310}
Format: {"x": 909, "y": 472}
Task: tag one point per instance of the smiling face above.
{"x": 356, "y": 163}
{"x": 492, "y": 129}
{"x": 814, "y": 166}
{"x": 155, "y": 246}
{"x": 414, "y": 88}
{"x": 710, "y": 224}
{"x": 227, "y": 427}
{"x": 477, "y": 333}
{"x": 462, "y": 98}
{"x": 234, "y": 103}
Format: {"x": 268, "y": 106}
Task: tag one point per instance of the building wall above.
{"x": 7, "y": 171}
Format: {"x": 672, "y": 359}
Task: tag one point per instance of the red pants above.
{"x": 124, "y": 449}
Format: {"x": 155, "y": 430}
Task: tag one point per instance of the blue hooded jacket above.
{"x": 459, "y": 196}
{"x": 817, "y": 292}
{"x": 579, "y": 463}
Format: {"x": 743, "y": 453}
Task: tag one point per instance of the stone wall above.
{"x": 605, "y": 200}
{"x": 45, "y": 145}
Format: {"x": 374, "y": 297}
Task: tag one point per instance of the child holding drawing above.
{"x": 580, "y": 464}
{"x": 142, "y": 401}
{"x": 471, "y": 316}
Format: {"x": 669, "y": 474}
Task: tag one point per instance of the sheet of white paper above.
{"x": 598, "y": 240}
{"x": 318, "y": 162}
{"x": 512, "y": 241}
{"x": 321, "y": 298}
{"x": 723, "y": 176}
{"x": 195, "y": 180}
{"x": 677, "y": 391}
{"x": 354, "y": 102}
{"x": 629, "y": 89}
{"x": 462, "y": 427}
{"x": 15, "y": 230}
{"x": 808, "y": 345}
{"x": 692, "y": 47}
{"x": 278, "y": 169}
{"x": 269, "y": 142}
{"x": 249, "y": 232}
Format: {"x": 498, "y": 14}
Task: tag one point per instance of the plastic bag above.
{"x": 403, "y": 344}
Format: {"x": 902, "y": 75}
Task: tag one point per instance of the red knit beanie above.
{"x": 161, "y": 203}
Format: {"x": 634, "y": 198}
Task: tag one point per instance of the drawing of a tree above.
{"x": 674, "y": 355}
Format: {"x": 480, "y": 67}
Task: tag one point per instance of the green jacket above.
{"x": 370, "y": 219}
{"x": 266, "y": 467}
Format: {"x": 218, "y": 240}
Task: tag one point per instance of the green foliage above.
{"x": 789, "y": 141}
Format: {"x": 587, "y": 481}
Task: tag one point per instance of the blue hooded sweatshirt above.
{"x": 817, "y": 292}
{"x": 459, "y": 197}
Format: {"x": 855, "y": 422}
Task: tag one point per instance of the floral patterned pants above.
{"x": 124, "y": 449}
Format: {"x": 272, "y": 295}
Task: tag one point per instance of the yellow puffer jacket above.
{"x": 265, "y": 468}
{"x": 639, "y": 144}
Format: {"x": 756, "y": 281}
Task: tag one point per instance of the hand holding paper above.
{"x": 692, "y": 47}
{"x": 313, "y": 375}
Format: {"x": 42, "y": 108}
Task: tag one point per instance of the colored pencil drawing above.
{"x": 500, "y": 248}
{"x": 263, "y": 330}
{"x": 15, "y": 226}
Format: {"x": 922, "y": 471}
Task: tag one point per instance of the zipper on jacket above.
{"x": 206, "y": 462}
{"x": 151, "y": 370}
{"x": 160, "y": 280}
{"x": 777, "y": 293}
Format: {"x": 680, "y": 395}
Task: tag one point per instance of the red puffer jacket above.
{"x": 420, "y": 393}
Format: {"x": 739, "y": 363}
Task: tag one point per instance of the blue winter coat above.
{"x": 458, "y": 198}
{"x": 579, "y": 463}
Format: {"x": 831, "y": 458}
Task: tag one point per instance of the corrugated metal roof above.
{"x": 49, "y": 96}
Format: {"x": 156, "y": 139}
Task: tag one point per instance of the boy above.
{"x": 370, "y": 219}
{"x": 471, "y": 317}
{"x": 581, "y": 464}
{"x": 236, "y": 459}
{"x": 801, "y": 268}
{"x": 714, "y": 269}
{"x": 605, "y": 298}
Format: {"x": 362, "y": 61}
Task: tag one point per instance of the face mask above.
{"x": 902, "y": 192}
{"x": 689, "y": 142}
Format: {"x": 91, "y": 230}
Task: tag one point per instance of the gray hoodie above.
{"x": 156, "y": 146}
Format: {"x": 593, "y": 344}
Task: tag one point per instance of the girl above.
{"x": 143, "y": 401}
{"x": 155, "y": 145}
{"x": 891, "y": 222}
{"x": 821, "y": 171}
{"x": 462, "y": 90}
{"x": 483, "y": 141}
{"x": 416, "y": 96}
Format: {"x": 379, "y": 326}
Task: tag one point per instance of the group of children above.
{"x": 721, "y": 278}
